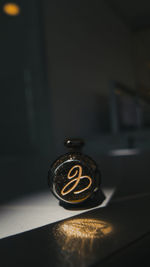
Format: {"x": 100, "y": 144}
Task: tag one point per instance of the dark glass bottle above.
{"x": 74, "y": 178}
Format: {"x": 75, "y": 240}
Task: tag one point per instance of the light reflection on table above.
{"x": 79, "y": 235}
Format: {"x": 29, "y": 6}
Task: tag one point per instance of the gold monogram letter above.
{"x": 77, "y": 175}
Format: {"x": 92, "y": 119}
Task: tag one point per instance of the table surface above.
{"x": 102, "y": 235}
{"x": 116, "y": 234}
{"x": 37, "y": 210}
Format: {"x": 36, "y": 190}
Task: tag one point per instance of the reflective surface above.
{"x": 36, "y": 211}
{"x": 94, "y": 238}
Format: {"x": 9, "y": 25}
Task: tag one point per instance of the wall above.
{"x": 24, "y": 117}
{"x": 87, "y": 47}
{"x": 141, "y": 44}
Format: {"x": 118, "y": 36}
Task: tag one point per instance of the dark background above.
{"x": 74, "y": 69}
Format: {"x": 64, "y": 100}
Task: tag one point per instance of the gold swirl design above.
{"x": 77, "y": 175}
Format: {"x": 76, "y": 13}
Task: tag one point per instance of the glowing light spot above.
{"x": 84, "y": 228}
{"x": 79, "y": 235}
{"x": 11, "y": 9}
